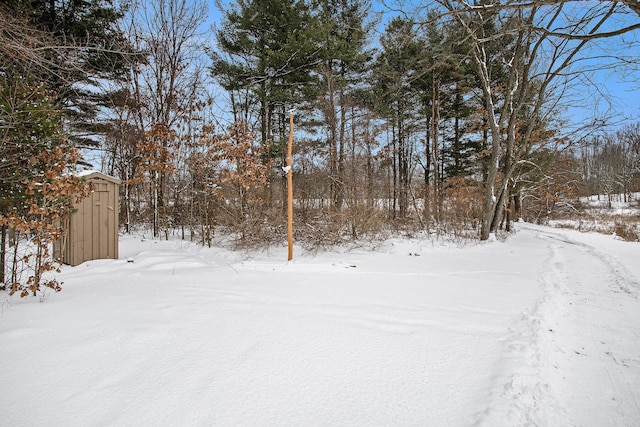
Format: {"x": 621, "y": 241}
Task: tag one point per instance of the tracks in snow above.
{"x": 575, "y": 357}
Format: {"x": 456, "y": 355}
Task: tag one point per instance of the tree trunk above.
{"x": 435, "y": 119}
{"x": 341, "y": 143}
{"x": 427, "y": 172}
{"x": 3, "y": 251}
{"x": 395, "y": 171}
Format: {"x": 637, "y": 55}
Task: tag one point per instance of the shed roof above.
{"x": 88, "y": 174}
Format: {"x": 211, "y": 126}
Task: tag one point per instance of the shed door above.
{"x": 100, "y": 219}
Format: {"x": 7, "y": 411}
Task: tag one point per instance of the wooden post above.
{"x": 290, "y": 189}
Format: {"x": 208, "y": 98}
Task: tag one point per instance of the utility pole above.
{"x": 289, "y": 171}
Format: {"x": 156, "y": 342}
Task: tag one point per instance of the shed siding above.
{"x": 93, "y": 228}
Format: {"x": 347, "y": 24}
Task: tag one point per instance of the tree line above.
{"x": 446, "y": 117}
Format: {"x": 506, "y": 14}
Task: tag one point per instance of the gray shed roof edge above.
{"x": 96, "y": 174}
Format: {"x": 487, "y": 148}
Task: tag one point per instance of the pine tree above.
{"x": 85, "y": 49}
{"x": 267, "y": 51}
{"x": 393, "y": 73}
{"x": 344, "y": 30}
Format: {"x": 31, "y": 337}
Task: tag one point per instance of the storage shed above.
{"x": 92, "y": 229}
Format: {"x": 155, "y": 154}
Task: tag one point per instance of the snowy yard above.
{"x": 543, "y": 329}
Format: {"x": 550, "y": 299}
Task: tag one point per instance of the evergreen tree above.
{"x": 86, "y": 49}
{"x": 344, "y": 30}
{"x": 396, "y": 99}
{"x": 267, "y": 51}
{"x": 461, "y": 145}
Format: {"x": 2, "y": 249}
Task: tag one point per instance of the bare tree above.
{"x": 162, "y": 93}
{"x": 543, "y": 46}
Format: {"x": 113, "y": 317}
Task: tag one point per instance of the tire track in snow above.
{"x": 620, "y": 277}
{"x": 574, "y": 358}
{"x": 586, "y": 338}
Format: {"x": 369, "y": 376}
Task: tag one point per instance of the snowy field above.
{"x": 542, "y": 329}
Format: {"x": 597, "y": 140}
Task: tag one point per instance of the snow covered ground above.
{"x": 616, "y": 204}
{"x": 542, "y": 329}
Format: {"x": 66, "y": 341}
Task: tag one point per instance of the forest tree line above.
{"x": 446, "y": 117}
{"x": 450, "y": 120}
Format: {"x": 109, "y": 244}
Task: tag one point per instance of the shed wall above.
{"x": 92, "y": 231}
